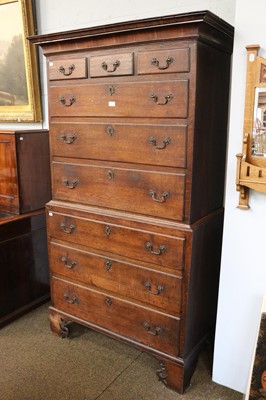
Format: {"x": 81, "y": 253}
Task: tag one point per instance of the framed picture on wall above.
{"x": 19, "y": 84}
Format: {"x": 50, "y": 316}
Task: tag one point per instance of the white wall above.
{"x": 243, "y": 274}
{"x": 62, "y": 15}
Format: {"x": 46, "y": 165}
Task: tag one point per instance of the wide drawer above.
{"x": 115, "y": 276}
{"x": 165, "y": 251}
{"x": 111, "y": 65}
{"x": 65, "y": 69}
{"x": 144, "y": 144}
{"x": 148, "y": 192}
{"x": 146, "y": 326}
{"x": 163, "y": 61}
{"x": 165, "y": 99}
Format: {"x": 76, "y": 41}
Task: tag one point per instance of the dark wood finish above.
{"x": 115, "y": 186}
{"x": 150, "y": 118}
{"x": 25, "y": 183}
{"x": 110, "y": 236}
{"x": 121, "y": 100}
{"x": 24, "y": 281}
{"x": 162, "y": 145}
{"x": 155, "y": 288}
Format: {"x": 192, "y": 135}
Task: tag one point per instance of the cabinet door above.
{"x": 8, "y": 172}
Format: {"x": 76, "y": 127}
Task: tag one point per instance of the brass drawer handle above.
{"x": 164, "y": 197}
{"x": 71, "y": 299}
{"x": 115, "y": 66}
{"x": 69, "y": 140}
{"x": 156, "y": 63}
{"x": 67, "y": 230}
{"x": 156, "y": 331}
{"x": 159, "y": 251}
{"x": 69, "y": 71}
{"x": 152, "y": 140}
{"x": 71, "y": 265}
{"x": 108, "y": 301}
{"x": 64, "y": 102}
{"x": 167, "y": 98}
{"x": 72, "y": 184}
{"x": 159, "y": 290}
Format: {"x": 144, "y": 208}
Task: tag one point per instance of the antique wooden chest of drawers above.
{"x": 138, "y": 126}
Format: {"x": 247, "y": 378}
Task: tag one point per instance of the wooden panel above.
{"x": 117, "y": 277}
{"x": 24, "y": 269}
{"x": 132, "y": 99}
{"x": 9, "y": 196}
{"x": 118, "y": 240}
{"x": 144, "y": 144}
{"x": 163, "y": 61}
{"x": 119, "y": 316}
{"x": 74, "y": 68}
{"x": 34, "y": 169}
{"x": 137, "y": 190}
{"x": 110, "y": 65}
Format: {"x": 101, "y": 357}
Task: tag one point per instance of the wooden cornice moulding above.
{"x": 195, "y": 24}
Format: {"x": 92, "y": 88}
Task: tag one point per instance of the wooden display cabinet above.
{"x": 24, "y": 189}
{"x": 24, "y": 269}
{"x": 24, "y": 171}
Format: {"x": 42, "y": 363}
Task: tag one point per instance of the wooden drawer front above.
{"x": 165, "y": 251}
{"x": 163, "y": 61}
{"x": 9, "y": 191}
{"x": 110, "y": 65}
{"x": 144, "y": 144}
{"x": 75, "y": 68}
{"x": 165, "y": 99}
{"x": 153, "y": 329}
{"x": 145, "y": 192}
{"x": 128, "y": 280}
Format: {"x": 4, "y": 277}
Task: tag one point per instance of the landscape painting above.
{"x": 19, "y": 87}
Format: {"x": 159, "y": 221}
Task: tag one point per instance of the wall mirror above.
{"x": 251, "y": 162}
{"x": 19, "y": 84}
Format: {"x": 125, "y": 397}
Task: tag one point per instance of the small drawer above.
{"x": 155, "y": 193}
{"x": 147, "y": 246}
{"x": 145, "y": 144}
{"x": 165, "y": 99}
{"x": 75, "y": 68}
{"x": 157, "y": 330}
{"x": 111, "y": 65}
{"x": 129, "y": 280}
{"x": 163, "y": 61}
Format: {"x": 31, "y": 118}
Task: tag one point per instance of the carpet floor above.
{"x": 36, "y": 365}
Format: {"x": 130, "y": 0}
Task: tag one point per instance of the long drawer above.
{"x": 115, "y": 276}
{"x": 142, "y": 245}
{"x": 155, "y": 193}
{"x": 165, "y": 99}
{"x": 136, "y": 143}
{"x": 154, "y": 329}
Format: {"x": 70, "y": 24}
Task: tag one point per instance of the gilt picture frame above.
{"x": 19, "y": 82}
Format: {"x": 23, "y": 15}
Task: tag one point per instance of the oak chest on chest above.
{"x": 138, "y": 126}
